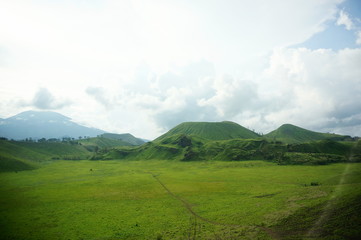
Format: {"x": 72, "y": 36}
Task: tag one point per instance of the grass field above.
{"x": 173, "y": 200}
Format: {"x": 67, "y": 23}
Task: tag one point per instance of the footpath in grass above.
{"x": 130, "y": 200}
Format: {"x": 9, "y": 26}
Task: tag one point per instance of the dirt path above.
{"x": 188, "y": 206}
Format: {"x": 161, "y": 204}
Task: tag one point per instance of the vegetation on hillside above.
{"x": 289, "y": 133}
{"x": 25, "y": 155}
{"x": 211, "y": 131}
{"x": 126, "y": 137}
{"x": 97, "y": 143}
{"x": 224, "y": 141}
{"x": 22, "y": 155}
{"x": 193, "y": 148}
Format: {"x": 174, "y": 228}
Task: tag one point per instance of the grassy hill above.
{"x": 289, "y": 133}
{"x": 222, "y": 141}
{"x": 25, "y": 155}
{"x": 17, "y": 156}
{"x": 174, "y": 147}
{"x": 10, "y": 163}
{"x": 211, "y": 131}
{"x": 181, "y": 147}
{"x": 125, "y": 137}
{"x": 93, "y": 144}
{"x": 227, "y": 141}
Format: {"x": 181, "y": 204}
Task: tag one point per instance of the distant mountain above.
{"x": 289, "y": 133}
{"x": 41, "y": 124}
{"x": 211, "y": 130}
{"x": 126, "y": 137}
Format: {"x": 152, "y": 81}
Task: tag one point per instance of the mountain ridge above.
{"x": 43, "y": 124}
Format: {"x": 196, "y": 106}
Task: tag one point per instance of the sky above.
{"x": 142, "y": 67}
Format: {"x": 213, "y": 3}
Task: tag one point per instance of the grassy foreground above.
{"x": 179, "y": 200}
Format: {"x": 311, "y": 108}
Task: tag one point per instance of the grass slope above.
{"x": 93, "y": 144}
{"x": 126, "y": 137}
{"x": 21, "y": 150}
{"x": 17, "y": 156}
{"x": 289, "y": 133}
{"x": 21, "y": 155}
{"x": 11, "y": 163}
{"x": 211, "y": 130}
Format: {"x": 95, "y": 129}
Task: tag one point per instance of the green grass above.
{"x": 122, "y": 199}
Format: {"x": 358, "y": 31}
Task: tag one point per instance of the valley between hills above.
{"x": 200, "y": 180}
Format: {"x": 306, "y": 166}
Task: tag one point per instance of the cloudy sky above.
{"x": 143, "y": 66}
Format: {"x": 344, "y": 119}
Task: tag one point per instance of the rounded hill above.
{"x": 289, "y": 133}
{"x": 211, "y": 130}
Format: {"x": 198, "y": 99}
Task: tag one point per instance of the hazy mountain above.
{"x": 39, "y": 124}
{"x": 211, "y": 130}
{"x": 289, "y": 133}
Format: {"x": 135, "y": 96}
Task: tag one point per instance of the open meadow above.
{"x": 159, "y": 199}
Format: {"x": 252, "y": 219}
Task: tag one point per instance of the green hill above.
{"x": 10, "y": 163}
{"x": 16, "y": 155}
{"x": 191, "y": 141}
{"x": 26, "y": 155}
{"x": 126, "y": 137}
{"x": 174, "y": 147}
{"x": 181, "y": 147}
{"x": 94, "y": 144}
{"x": 211, "y": 131}
{"x": 289, "y": 133}
{"x": 227, "y": 141}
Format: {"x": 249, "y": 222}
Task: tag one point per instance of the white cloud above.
{"x": 231, "y": 97}
{"x": 316, "y": 89}
{"x": 100, "y": 96}
{"x": 175, "y": 95}
{"x": 120, "y": 34}
{"x": 44, "y": 99}
{"x": 321, "y": 88}
{"x": 358, "y": 37}
{"x": 345, "y": 20}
